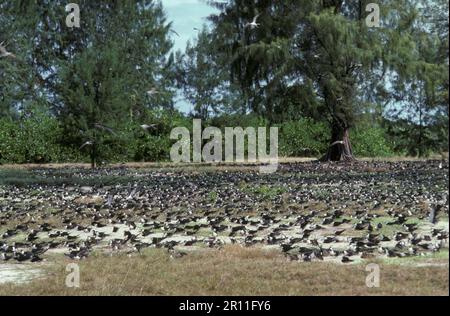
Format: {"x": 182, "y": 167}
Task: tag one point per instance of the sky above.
{"x": 185, "y": 16}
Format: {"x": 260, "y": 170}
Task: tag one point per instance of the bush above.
{"x": 303, "y": 138}
{"x": 33, "y": 139}
{"x": 370, "y": 142}
{"x": 153, "y": 145}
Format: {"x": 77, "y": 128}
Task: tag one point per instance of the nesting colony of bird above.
{"x": 308, "y": 211}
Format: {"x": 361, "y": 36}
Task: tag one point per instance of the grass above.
{"x": 266, "y": 192}
{"x": 212, "y": 196}
{"x": 23, "y": 177}
{"x": 438, "y": 258}
{"x": 231, "y": 271}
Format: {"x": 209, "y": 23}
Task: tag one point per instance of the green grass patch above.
{"x": 434, "y": 257}
{"x": 267, "y": 192}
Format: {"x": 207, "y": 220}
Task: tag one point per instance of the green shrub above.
{"x": 370, "y": 142}
{"x": 303, "y": 138}
{"x": 32, "y": 139}
{"x": 154, "y": 145}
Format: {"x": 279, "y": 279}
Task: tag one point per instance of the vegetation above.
{"x": 233, "y": 270}
{"x": 313, "y": 68}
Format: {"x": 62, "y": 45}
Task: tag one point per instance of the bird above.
{"x": 4, "y": 257}
{"x": 4, "y": 52}
{"x": 174, "y": 32}
{"x": 88, "y": 143}
{"x": 152, "y": 92}
{"x": 104, "y": 128}
{"x": 149, "y": 127}
{"x": 253, "y": 24}
{"x": 346, "y": 259}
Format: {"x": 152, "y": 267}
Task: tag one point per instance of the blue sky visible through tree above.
{"x": 186, "y": 15}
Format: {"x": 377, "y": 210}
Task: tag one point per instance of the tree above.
{"x": 322, "y": 52}
{"x": 204, "y": 77}
{"x": 112, "y": 68}
{"x": 422, "y": 91}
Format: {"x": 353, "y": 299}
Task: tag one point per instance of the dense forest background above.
{"x": 311, "y": 67}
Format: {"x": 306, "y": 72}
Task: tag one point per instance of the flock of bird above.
{"x": 309, "y": 211}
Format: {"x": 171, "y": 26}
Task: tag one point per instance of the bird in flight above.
{"x": 253, "y": 24}
{"x": 152, "y": 91}
{"x": 88, "y": 143}
{"x": 4, "y": 52}
{"x": 147, "y": 127}
{"x": 104, "y": 128}
{"x": 174, "y": 32}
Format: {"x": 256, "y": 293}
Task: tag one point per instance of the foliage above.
{"x": 371, "y": 142}
{"x": 311, "y": 67}
{"x": 33, "y": 139}
{"x": 303, "y": 137}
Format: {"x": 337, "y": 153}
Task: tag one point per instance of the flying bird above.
{"x": 152, "y": 92}
{"x": 149, "y": 127}
{"x": 88, "y": 143}
{"x": 253, "y": 24}
{"x": 104, "y": 128}
{"x": 4, "y": 52}
{"x": 174, "y": 32}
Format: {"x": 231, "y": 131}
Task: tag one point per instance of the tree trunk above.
{"x": 340, "y": 148}
{"x": 93, "y": 155}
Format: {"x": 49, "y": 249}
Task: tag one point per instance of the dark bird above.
{"x": 346, "y": 259}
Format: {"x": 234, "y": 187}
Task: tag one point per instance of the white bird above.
{"x": 440, "y": 165}
{"x": 152, "y": 91}
{"x": 339, "y": 142}
{"x": 317, "y": 56}
{"x": 132, "y": 194}
{"x": 88, "y": 143}
{"x": 110, "y": 200}
{"x": 148, "y": 127}
{"x": 253, "y": 24}
{"x": 4, "y": 52}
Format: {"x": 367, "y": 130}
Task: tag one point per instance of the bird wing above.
{"x": 85, "y": 144}
{"x": 4, "y": 52}
{"x": 147, "y": 127}
{"x": 103, "y": 127}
